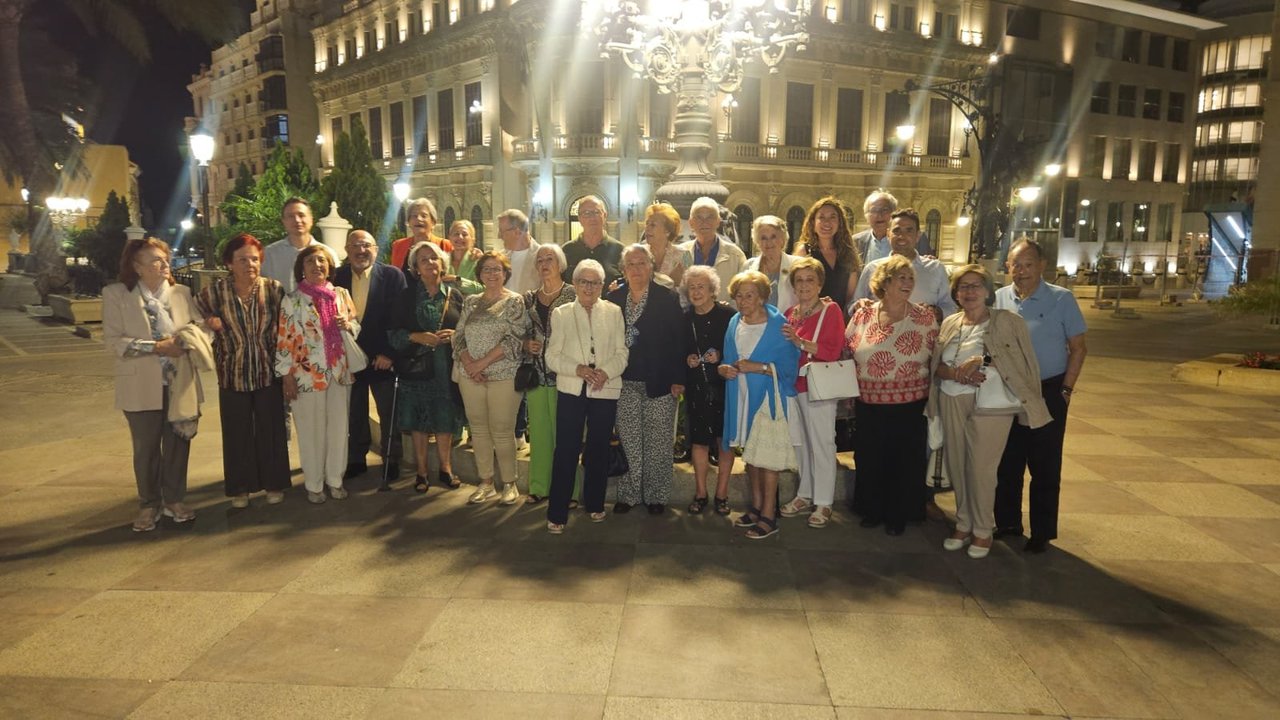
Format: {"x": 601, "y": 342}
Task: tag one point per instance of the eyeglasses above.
{"x": 967, "y": 287}
{"x": 490, "y": 270}
{"x": 590, "y": 213}
{"x": 588, "y": 283}
{"x": 879, "y": 210}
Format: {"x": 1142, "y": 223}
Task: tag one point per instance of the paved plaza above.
{"x": 1161, "y": 598}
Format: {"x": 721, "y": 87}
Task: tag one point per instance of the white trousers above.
{"x": 813, "y": 433}
{"x": 321, "y": 418}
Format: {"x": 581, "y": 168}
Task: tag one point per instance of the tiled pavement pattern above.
{"x": 1160, "y": 600}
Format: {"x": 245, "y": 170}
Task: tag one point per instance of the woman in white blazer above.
{"x": 142, "y": 317}
{"x": 769, "y": 235}
{"x": 588, "y": 353}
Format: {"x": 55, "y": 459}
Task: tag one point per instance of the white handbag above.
{"x": 831, "y": 380}
{"x": 994, "y": 396}
{"x": 356, "y": 359}
{"x": 769, "y": 442}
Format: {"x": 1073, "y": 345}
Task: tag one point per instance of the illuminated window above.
{"x": 1251, "y": 52}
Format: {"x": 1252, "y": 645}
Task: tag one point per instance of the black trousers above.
{"x": 891, "y": 450}
{"x": 254, "y": 453}
{"x": 359, "y": 438}
{"x": 1039, "y": 450}
{"x": 573, "y": 413}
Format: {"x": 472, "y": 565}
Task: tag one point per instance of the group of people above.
{"x": 599, "y": 352}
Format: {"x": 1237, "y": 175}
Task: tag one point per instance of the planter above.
{"x": 76, "y": 310}
{"x": 1224, "y": 371}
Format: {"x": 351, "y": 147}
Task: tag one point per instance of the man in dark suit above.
{"x": 374, "y": 287}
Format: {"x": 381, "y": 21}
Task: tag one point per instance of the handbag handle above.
{"x": 777, "y": 393}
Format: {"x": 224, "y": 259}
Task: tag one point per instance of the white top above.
{"x": 967, "y": 343}
{"x": 933, "y": 284}
{"x": 519, "y": 260}
{"x": 278, "y": 259}
{"x": 746, "y": 339}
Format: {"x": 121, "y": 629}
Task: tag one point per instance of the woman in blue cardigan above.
{"x": 754, "y": 349}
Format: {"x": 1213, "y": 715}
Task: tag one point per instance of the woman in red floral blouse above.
{"x": 892, "y": 341}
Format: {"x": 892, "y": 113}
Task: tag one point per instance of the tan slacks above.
{"x": 491, "y": 410}
{"x": 972, "y": 447}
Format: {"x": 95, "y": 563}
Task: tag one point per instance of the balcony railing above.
{"x": 728, "y": 151}
{"x": 471, "y": 155}
{"x": 602, "y": 144}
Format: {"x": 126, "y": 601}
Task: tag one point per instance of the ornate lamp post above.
{"x": 202, "y": 151}
{"x": 64, "y": 212}
{"x": 693, "y": 48}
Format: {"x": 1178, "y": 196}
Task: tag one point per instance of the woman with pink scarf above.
{"x": 310, "y": 358}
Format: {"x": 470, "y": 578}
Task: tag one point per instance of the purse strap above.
{"x": 777, "y": 393}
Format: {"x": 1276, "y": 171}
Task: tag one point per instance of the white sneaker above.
{"x": 510, "y": 494}
{"x": 240, "y": 501}
{"x": 317, "y": 498}
{"x": 338, "y": 493}
{"x": 274, "y": 497}
{"x": 483, "y": 493}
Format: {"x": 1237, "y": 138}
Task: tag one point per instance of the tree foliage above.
{"x": 242, "y": 189}
{"x": 355, "y": 185}
{"x": 257, "y": 212}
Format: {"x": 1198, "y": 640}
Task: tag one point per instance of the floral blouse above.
{"x": 892, "y": 360}
{"x": 485, "y": 325}
{"x": 300, "y": 343}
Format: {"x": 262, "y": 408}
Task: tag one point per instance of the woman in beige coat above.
{"x": 970, "y": 343}
{"x": 148, "y": 323}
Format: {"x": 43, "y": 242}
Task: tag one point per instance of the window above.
{"x": 799, "y": 130}
{"x": 746, "y": 117}
{"x": 795, "y": 220}
{"x": 1245, "y": 168}
{"x": 1097, "y": 158}
{"x": 1115, "y": 230}
{"x": 1105, "y": 43}
{"x": 419, "y": 105}
{"x": 335, "y": 129}
{"x": 1101, "y": 100}
{"x": 1141, "y": 222}
{"x": 239, "y": 137}
{"x": 368, "y": 41}
{"x": 933, "y": 230}
{"x": 586, "y": 101}
{"x": 444, "y": 120}
{"x": 939, "y": 142}
{"x": 1147, "y": 160}
{"x": 1127, "y": 101}
{"x": 477, "y": 221}
{"x": 897, "y": 111}
{"x": 1252, "y": 52}
{"x": 946, "y": 25}
{"x": 1087, "y": 222}
{"x": 251, "y": 134}
{"x": 856, "y": 11}
{"x": 439, "y": 14}
{"x": 902, "y": 17}
{"x": 1177, "y": 106}
{"x": 1131, "y": 46}
{"x": 353, "y": 120}
{"x": 375, "y": 133}
{"x": 1249, "y": 131}
{"x": 396, "y": 122}
{"x": 1023, "y": 22}
{"x": 1181, "y": 55}
{"x": 475, "y": 116}
{"x": 349, "y": 47}
{"x": 1155, "y": 50}
{"x": 1151, "y": 103}
{"x": 848, "y": 119}
{"x": 745, "y": 217}
{"x": 1249, "y": 95}
{"x": 1172, "y": 163}
{"x": 660, "y": 113}
{"x": 1070, "y": 208}
{"x": 1164, "y": 224}
{"x": 412, "y": 24}
{"x": 1120, "y": 152}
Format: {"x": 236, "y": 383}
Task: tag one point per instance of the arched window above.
{"x": 795, "y": 221}
{"x": 932, "y": 237}
{"x": 743, "y": 225}
{"x": 449, "y": 217}
{"x": 477, "y": 219}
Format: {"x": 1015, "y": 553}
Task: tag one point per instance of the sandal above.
{"x": 748, "y": 518}
{"x": 722, "y": 506}
{"x": 820, "y": 516}
{"x": 532, "y": 499}
{"x": 573, "y": 504}
{"x": 420, "y": 484}
{"x": 698, "y": 505}
{"x": 795, "y": 507}
{"x": 146, "y": 520}
{"x": 763, "y": 528}
{"x": 555, "y": 528}
{"x": 449, "y": 480}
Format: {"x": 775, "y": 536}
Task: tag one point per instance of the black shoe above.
{"x": 621, "y": 508}
{"x": 450, "y": 481}
{"x": 1036, "y": 545}
{"x": 714, "y": 459}
{"x": 657, "y": 508}
{"x": 894, "y": 529}
{"x": 683, "y": 456}
{"x": 870, "y": 522}
{"x": 1007, "y": 531}
{"x": 354, "y": 471}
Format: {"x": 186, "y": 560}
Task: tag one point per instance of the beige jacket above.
{"x": 1009, "y": 344}
{"x": 139, "y": 378}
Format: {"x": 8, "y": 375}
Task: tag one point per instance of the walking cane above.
{"x": 388, "y": 436}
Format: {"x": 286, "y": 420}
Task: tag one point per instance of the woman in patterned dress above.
{"x": 705, "y": 323}
{"x": 892, "y": 342}
{"x": 551, "y": 294}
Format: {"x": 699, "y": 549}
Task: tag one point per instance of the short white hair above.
{"x": 586, "y": 266}
{"x": 641, "y": 249}
{"x": 876, "y": 196}
{"x": 561, "y": 261}
{"x": 701, "y": 271}
{"x": 705, "y": 202}
{"x": 432, "y": 248}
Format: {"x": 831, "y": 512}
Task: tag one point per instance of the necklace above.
{"x": 552, "y": 293}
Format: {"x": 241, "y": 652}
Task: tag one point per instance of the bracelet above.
{"x": 1067, "y": 390}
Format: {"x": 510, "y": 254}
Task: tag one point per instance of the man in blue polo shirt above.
{"x": 1057, "y": 337}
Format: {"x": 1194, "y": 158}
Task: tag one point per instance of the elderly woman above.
{"x": 661, "y": 228}
{"x": 892, "y": 341}
{"x": 463, "y": 257}
{"x": 769, "y": 234}
{"x": 825, "y": 237}
{"x": 705, "y": 323}
{"x": 423, "y": 323}
{"x": 317, "y": 380}
{"x": 816, "y": 326}
{"x": 487, "y": 348}
{"x": 420, "y": 219}
{"x": 970, "y": 342}
{"x": 540, "y": 304}
{"x": 652, "y": 382}
{"x": 243, "y": 310}
{"x": 587, "y": 351}
{"x": 754, "y": 350}
{"x": 149, "y": 324}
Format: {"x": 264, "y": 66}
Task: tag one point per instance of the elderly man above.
{"x": 278, "y": 257}
{"x": 1057, "y": 337}
{"x": 710, "y": 248}
{"x": 594, "y": 242}
{"x": 520, "y": 249}
{"x": 933, "y": 284}
{"x": 374, "y": 287}
{"x": 873, "y": 243}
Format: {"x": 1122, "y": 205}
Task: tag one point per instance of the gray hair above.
{"x": 772, "y": 221}
{"x": 701, "y": 271}
{"x": 412, "y": 209}
{"x": 554, "y": 249}
{"x": 704, "y": 202}
{"x": 434, "y": 249}
{"x": 595, "y": 199}
{"x": 516, "y": 219}
{"x": 880, "y": 194}
{"x": 638, "y": 248}
{"x": 586, "y": 266}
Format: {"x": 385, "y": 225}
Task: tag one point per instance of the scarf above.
{"x": 324, "y": 298}
{"x": 160, "y": 318}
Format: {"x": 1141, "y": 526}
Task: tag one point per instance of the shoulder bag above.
{"x": 994, "y": 396}
{"x": 769, "y": 442}
{"x": 832, "y": 380}
{"x": 356, "y": 358}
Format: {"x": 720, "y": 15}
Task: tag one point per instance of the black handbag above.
{"x": 618, "y": 464}
{"x": 527, "y": 377}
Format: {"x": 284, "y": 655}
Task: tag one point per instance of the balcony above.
{"x": 470, "y": 155}
{"x": 603, "y": 145}
{"x": 751, "y": 153}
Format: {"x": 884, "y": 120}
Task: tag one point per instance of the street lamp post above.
{"x": 202, "y": 151}
{"x": 692, "y": 48}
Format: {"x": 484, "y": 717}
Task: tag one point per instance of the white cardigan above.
{"x": 786, "y": 293}
{"x": 572, "y": 332}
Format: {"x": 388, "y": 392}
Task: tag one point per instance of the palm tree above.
{"x": 29, "y": 155}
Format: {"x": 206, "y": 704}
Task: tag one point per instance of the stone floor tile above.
{"x": 717, "y": 654}
{"x": 1102, "y": 498}
{"x": 1203, "y": 500}
{"x": 1143, "y": 469}
{"x": 233, "y": 562}
{"x": 1075, "y": 471}
{"x": 490, "y": 705}
{"x": 88, "y": 561}
{"x": 320, "y": 640}
{"x": 30, "y": 513}
{"x": 1143, "y": 537}
{"x": 295, "y": 514}
{"x": 253, "y": 701}
{"x": 1255, "y": 650}
{"x": 879, "y": 583}
{"x": 1188, "y": 413}
{"x": 412, "y": 566}
{"x": 583, "y": 573}
{"x": 25, "y": 610}
{"x": 1244, "y": 447}
{"x": 1267, "y": 492}
{"x": 713, "y": 576}
{"x": 1102, "y": 409}
{"x": 1084, "y": 427}
{"x": 1207, "y": 593}
{"x": 855, "y": 713}
{"x": 1104, "y": 445}
{"x": 1238, "y": 470}
{"x": 843, "y": 534}
{"x": 681, "y": 528}
{"x": 1255, "y": 538}
{"x": 878, "y": 660}
{"x": 640, "y": 708}
{"x": 1224, "y": 399}
{"x": 1237, "y": 428}
{"x": 128, "y": 634}
{"x": 1087, "y": 673}
{"x": 516, "y": 646}
{"x": 1153, "y": 427}
{"x": 1179, "y": 447}
{"x": 1191, "y": 675}
{"x": 71, "y": 699}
